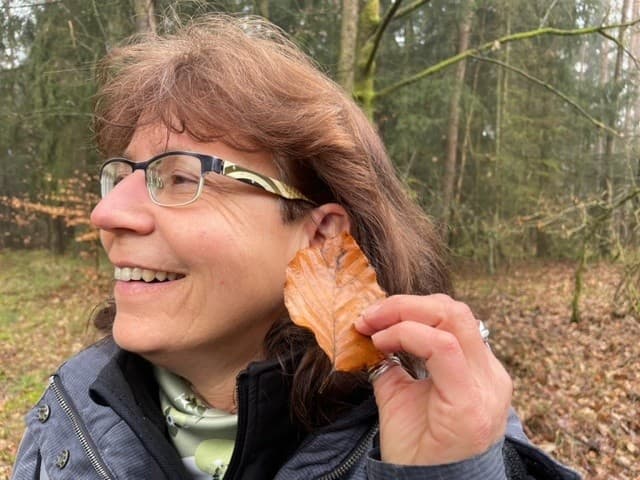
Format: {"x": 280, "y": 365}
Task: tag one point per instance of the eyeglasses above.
{"x": 175, "y": 179}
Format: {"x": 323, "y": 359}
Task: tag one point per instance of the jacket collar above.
{"x": 267, "y": 435}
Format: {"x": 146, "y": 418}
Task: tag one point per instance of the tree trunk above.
{"x": 263, "y": 8}
{"x": 635, "y": 50}
{"x": 368, "y": 22}
{"x": 348, "y": 38}
{"x": 603, "y": 77}
{"x": 145, "y": 16}
{"x": 608, "y": 234}
{"x": 466, "y": 148}
{"x": 454, "y": 118}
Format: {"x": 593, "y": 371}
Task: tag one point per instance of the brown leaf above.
{"x": 327, "y": 289}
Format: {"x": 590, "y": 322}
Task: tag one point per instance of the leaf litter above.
{"x": 576, "y": 385}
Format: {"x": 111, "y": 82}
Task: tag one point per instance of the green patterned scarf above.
{"x": 203, "y": 436}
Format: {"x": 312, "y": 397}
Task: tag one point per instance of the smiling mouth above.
{"x": 128, "y": 274}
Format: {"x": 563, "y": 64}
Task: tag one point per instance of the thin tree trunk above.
{"x": 603, "y": 78}
{"x": 635, "y": 51}
{"x": 348, "y": 38}
{"x": 371, "y": 27}
{"x": 466, "y": 141}
{"x": 368, "y": 22}
{"x": 454, "y": 118}
{"x": 145, "y": 16}
{"x": 263, "y": 8}
{"x": 608, "y": 184}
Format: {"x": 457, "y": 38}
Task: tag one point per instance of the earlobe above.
{"x": 327, "y": 221}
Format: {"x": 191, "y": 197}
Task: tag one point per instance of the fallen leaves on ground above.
{"x": 326, "y": 290}
{"x": 577, "y": 385}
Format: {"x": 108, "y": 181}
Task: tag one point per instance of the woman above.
{"x": 229, "y": 152}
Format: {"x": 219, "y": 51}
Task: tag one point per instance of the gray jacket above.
{"x": 90, "y": 424}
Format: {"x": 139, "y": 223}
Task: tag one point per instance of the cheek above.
{"x": 211, "y": 243}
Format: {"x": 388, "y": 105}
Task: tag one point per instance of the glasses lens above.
{"x": 111, "y": 174}
{"x": 174, "y": 179}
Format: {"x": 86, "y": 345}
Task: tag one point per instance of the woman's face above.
{"x": 227, "y": 252}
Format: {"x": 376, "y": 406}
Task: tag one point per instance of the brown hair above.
{"x": 242, "y": 82}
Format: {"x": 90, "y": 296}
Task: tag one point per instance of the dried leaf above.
{"x": 327, "y": 289}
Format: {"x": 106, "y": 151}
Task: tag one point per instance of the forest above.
{"x": 514, "y": 123}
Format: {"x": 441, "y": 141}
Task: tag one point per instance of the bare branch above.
{"x": 30, "y": 5}
{"x": 407, "y": 10}
{"x": 495, "y": 44}
{"x": 99, "y": 21}
{"x": 377, "y": 36}
{"x": 552, "y": 89}
{"x": 546, "y": 15}
{"x": 621, "y": 45}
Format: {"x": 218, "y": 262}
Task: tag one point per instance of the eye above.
{"x": 179, "y": 178}
{"x": 175, "y": 171}
{"x": 115, "y": 172}
{"x": 118, "y": 177}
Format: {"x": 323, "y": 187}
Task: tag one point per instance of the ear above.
{"x": 327, "y": 221}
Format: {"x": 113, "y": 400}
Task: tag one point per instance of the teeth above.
{"x": 148, "y": 275}
{"x": 136, "y": 273}
{"x": 126, "y": 274}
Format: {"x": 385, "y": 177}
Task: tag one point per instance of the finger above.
{"x": 389, "y": 384}
{"x": 444, "y": 357}
{"x": 438, "y": 311}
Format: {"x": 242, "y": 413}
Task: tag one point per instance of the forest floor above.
{"x": 577, "y": 386}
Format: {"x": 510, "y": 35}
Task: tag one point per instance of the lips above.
{"x": 129, "y": 274}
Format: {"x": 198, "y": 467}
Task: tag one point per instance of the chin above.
{"x": 133, "y": 335}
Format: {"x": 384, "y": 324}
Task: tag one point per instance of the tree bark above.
{"x": 454, "y": 118}
{"x": 348, "y": 38}
{"x": 635, "y": 51}
{"x": 145, "y": 16}
{"x": 263, "y": 8}
{"x": 368, "y": 22}
{"x": 371, "y": 26}
{"x": 608, "y": 237}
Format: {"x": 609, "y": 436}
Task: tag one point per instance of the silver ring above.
{"x": 484, "y": 331}
{"x": 380, "y": 369}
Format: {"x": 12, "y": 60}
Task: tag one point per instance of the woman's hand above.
{"x": 461, "y": 409}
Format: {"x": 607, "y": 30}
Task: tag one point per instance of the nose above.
{"x": 127, "y": 207}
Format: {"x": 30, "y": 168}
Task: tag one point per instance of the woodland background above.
{"x": 514, "y": 123}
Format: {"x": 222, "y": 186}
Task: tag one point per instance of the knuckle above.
{"x": 401, "y": 301}
{"x": 462, "y": 310}
{"x": 441, "y": 297}
{"x": 450, "y": 344}
{"x": 441, "y": 310}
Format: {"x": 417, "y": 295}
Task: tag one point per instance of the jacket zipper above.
{"x": 353, "y": 458}
{"x": 89, "y": 449}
